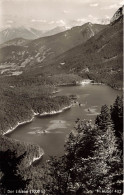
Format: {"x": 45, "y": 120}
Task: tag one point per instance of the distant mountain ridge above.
{"x": 27, "y": 33}
{"x": 21, "y": 55}
{"x": 55, "y": 30}
{"x": 12, "y": 33}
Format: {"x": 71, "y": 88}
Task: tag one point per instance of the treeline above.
{"x": 21, "y": 96}
{"x": 100, "y": 76}
{"x": 49, "y": 104}
{"x": 18, "y": 105}
{"x": 14, "y": 109}
{"x": 40, "y": 78}
{"x": 65, "y": 79}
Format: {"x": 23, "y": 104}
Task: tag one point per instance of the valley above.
{"x": 82, "y": 52}
{"x": 23, "y": 54}
{"x": 61, "y": 104}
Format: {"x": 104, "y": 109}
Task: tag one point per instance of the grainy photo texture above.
{"x": 61, "y": 104}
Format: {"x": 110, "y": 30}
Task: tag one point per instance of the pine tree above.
{"x": 79, "y": 149}
{"x": 117, "y": 116}
{"x": 107, "y": 148}
{"x": 104, "y": 119}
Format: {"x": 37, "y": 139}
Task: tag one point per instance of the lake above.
{"x": 50, "y": 132}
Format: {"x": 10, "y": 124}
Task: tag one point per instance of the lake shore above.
{"x": 41, "y": 153}
{"x": 34, "y": 115}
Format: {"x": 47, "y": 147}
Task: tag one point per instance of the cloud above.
{"x": 66, "y": 11}
{"x": 42, "y": 21}
{"x": 81, "y": 20}
{"x": 55, "y": 22}
{"x": 114, "y": 6}
{"x": 92, "y": 18}
{"x": 10, "y": 22}
{"x": 77, "y": 22}
{"x": 61, "y": 22}
{"x": 52, "y": 22}
{"x": 94, "y": 5}
{"x": 107, "y": 17}
{"x": 58, "y": 22}
{"x": 121, "y": 2}
{"x": 46, "y": 14}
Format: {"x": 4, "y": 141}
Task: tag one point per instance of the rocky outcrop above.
{"x": 118, "y": 15}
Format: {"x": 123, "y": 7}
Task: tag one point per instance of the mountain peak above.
{"x": 118, "y": 14}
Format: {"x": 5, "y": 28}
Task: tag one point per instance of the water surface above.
{"x": 50, "y": 132}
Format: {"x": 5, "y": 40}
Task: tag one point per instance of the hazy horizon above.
{"x": 48, "y": 14}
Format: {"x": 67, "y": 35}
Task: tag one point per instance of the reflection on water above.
{"x": 93, "y": 110}
{"x": 50, "y": 132}
{"x": 42, "y": 132}
{"x": 56, "y": 124}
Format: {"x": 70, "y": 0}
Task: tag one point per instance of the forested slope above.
{"x": 20, "y": 55}
{"x": 19, "y": 104}
{"x": 100, "y": 58}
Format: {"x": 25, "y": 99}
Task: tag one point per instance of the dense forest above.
{"x": 92, "y": 162}
{"x": 21, "y": 98}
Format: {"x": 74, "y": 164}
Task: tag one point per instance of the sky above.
{"x": 48, "y": 14}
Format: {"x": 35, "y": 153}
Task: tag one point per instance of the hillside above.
{"x": 17, "y": 42}
{"x": 15, "y": 58}
{"x": 100, "y": 58}
{"x": 25, "y": 33}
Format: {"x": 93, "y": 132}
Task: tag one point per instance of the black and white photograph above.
{"x": 61, "y": 97}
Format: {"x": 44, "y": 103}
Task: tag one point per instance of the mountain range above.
{"x": 20, "y": 32}
{"x": 91, "y": 50}
{"x": 21, "y": 54}
{"x": 100, "y": 58}
{"x": 26, "y": 33}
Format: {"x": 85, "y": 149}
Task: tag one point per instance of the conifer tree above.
{"x": 107, "y": 148}
{"x": 117, "y": 116}
{"x": 104, "y": 119}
